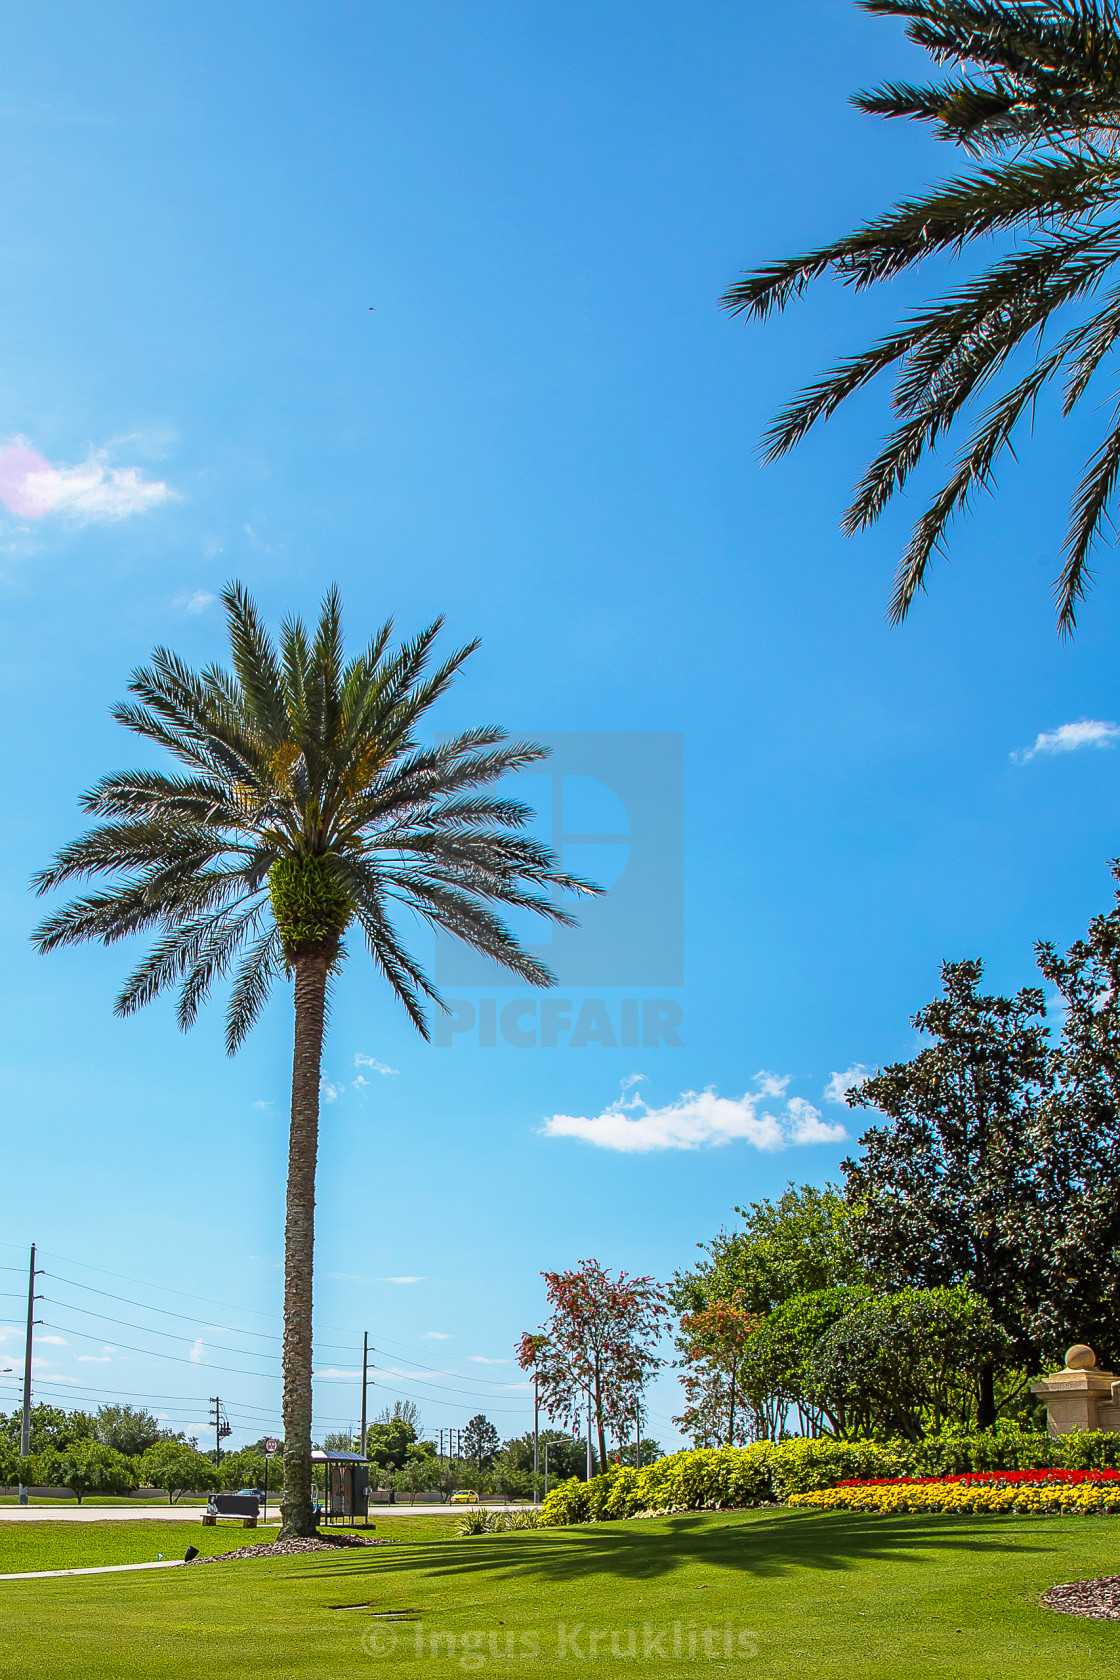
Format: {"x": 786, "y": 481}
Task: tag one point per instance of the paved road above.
{"x": 193, "y": 1513}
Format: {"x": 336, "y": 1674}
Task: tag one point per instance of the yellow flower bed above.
{"x": 1023, "y": 1499}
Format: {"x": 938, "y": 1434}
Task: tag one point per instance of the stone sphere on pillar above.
{"x": 1080, "y": 1358}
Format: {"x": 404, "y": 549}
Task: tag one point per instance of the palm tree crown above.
{"x": 307, "y": 806}
{"x": 1034, "y": 97}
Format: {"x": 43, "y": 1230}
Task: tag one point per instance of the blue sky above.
{"x": 422, "y": 298}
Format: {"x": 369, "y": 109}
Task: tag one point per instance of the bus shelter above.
{"x": 347, "y": 1486}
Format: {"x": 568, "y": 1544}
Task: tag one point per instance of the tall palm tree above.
{"x": 1034, "y": 97}
{"x": 307, "y": 808}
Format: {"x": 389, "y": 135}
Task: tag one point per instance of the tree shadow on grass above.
{"x": 636, "y": 1551}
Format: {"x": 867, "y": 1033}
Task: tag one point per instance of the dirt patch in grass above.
{"x": 1098, "y": 1599}
{"x": 290, "y": 1548}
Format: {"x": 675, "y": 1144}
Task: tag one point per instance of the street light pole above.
{"x": 536, "y": 1439}
{"x": 25, "y": 1422}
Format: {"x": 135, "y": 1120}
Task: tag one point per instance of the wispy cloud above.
{"x": 335, "y": 1373}
{"x": 196, "y": 603}
{"x": 261, "y": 1102}
{"x": 769, "y": 1084}
{"x": 328, "y": 1090}
{"x": 839, "y": 1084}
{"x": 695, "y": 1120}
{"x": 197, "y": 1354}
{"x": 371, "y": 1062}
{"x": 96, "y": 1358}
{"x": 402, "y": 1280}
{"x": 481, "y": 1359}
{"x": 33, "y": 487}
{"x": 53, "y": 1341}
{"x": 435, "y": 1336}
{"x": 1070, "y": 737}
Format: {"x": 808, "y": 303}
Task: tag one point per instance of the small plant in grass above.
{"x": 480, "y": 1521}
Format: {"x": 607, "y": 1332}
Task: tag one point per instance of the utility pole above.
{"x": 25, "y": 1423}
{"x": 221, "y": 1427}
{"x": 546, "y": 1447}
{"x": 638, "y": 1439}
{"x": 536, "y": 1439}
{"x": 589, "y": 1431}
{"x": 365, "y": 1359}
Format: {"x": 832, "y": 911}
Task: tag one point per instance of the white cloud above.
{"x": 197, "y": 1354}
{"x": 53, "y": 1341}
{"x": 328, "y": 1090}
{"x": 403, "y": 1280}
{"x": 1068, "y": 737}
{"x": 435, "y": 1336}
{"x": 95, "y": 1358}
{"x": 840, "y": 1084}
{"x": 6, "y": 1331}
{"x": 696, "y": 1119}
{"x": 196, "y": 603}
{"x": 771, "y": 1084}
{"x": 372, "y": 1063}
{"x": 261, "y": 1103}
{"x": 333, "y": 1372}
{"x": 32, "y": 487}
{"x": 481, "y": 1359}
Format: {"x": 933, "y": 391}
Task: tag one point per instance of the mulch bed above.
{"x": 290, "y": 1548}
{"x": 1099, "y": 1599}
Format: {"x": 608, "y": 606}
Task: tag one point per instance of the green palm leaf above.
{"x": 1034, "y": 92}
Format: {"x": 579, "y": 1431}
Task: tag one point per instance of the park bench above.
{"x": 231, "y": 1505}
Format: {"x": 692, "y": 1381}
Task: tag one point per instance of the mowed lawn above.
{"x": 758, "y": 1593}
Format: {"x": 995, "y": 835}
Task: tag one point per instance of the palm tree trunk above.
{"x": 299, "y": 1244}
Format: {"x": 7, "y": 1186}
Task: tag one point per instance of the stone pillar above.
{"x": 1080, "y": 1397}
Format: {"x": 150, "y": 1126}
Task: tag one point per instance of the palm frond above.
{"x": 1089, "y": 510}
{"x": 1034, "y": 87}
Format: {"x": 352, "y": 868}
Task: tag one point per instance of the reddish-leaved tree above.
{"x": 714, "y": 1343}
{"x": 599, "y": 1344}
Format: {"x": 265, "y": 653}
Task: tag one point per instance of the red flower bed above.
{"x": 1091, "y": 1477}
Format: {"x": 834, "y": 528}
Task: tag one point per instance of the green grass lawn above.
{"x": 830, "y": 1594}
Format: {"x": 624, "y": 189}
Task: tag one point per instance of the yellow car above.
{"x": 464, "y": 1496}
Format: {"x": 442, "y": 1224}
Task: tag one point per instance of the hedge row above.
{"x": 768, "y": 1472}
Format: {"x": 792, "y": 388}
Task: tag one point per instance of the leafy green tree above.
{"x": 419, "y": 1474}
{"x": 86, "y": 1467}
{"x": 943, "y": 1193}
{"x": 340, "y": 1440}
{"x": 779, "y": 1373}
{"x": 51, "y": 1428}
{"x": 478, "y": 1444}
{"x": 306, "y": 808}
{"x": 1073, "y": 1218}
{"x": 388, "y": 1441}
{"x": 130, "y": 1430}
{"x": 246, "y": 1468}
{"x": 567, "y": 1457}
{"x": 177, "y": 1469}
{"x": 626, "y": 1454}
{"x": 1033, "y": 100}
{"x": 799, "y": 1243}
{"x": 910, "y": 1362}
